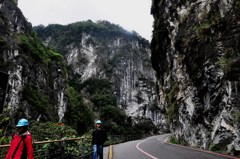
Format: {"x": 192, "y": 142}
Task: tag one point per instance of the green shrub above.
{"x": 173, "y": 140}
{"x": 36, "y": 99}
{"x": 180, "y": 141}
{"x": 78, "y": 114}
{"x": 5, "y": 132}
{"x": 33, "y": 45}
{"x": 57, "y": 131}
{"x": 113, "y": 113}
{"x": 172, "y": 109}
{"x": 215, "y": 148}
{"x": 144, "y": 126}
{"x": 237, "y": 117}
{"x": 50, "y": 131}
{"x": 3, "y": 44}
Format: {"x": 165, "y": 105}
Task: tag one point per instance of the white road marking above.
{"x": 137, "y": 146}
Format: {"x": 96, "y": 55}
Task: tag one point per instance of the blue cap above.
{"x": 98, "y": 122}
{"x": 22, "y": 122}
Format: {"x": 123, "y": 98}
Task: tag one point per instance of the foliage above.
{"x": 205, "y": 28}
{"x": 227, "y": 59}
{"x": 14, "y": 1}
{"x": 3, "y": 44}
{"x": 5, "y": 129}
{"x": 57, "y": 131}
{"x": 237, "y": 117}
{"x": 100, "y": 92}
{"x": 73, "y": 78}
{"x": 172, "y": 109}
{"x": 50, "y": 131}
{"x": 215, "y": 148}
{"x": 101, "y": 95}
{"x": 113, "y": 128}
{"x": 225, "y": 64}
{"x": 75, "y": 148}
{"x": 94, "y": 85}
{"x": 174, "y": 140}
{"x": 144, "y": 126}
{"x": 38, "y": 100}
{"x": 101, "y": 99}
{"x": 78, "y": 115}
{"x": 63, "y": 36}
{"x": 113, "y": 113}
{"x": 32, "y": 44}
{"x": 6, "y": 132}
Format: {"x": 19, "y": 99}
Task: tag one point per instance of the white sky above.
{"x": 129, "y": 14}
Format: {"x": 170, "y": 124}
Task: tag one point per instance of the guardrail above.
{"x": 115, "y": 139}
{"x": 69, "y": 148}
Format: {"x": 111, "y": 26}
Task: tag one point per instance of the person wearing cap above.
{"x": 99, "y": 136}
{"x": 21, "y": 146}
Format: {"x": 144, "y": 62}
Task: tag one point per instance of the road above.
{"x": 156, "y": 148}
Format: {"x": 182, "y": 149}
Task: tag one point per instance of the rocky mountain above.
{"x": 195, "y": 52}
{"x": 33, "y": 77}
{"x": 103, "y": 71}
{"x": 106, "y": 51}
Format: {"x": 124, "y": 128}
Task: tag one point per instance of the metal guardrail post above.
{"x": 82, "y": 149}
{"x": 46, "y": 154}
{"x": 63, "y": 149}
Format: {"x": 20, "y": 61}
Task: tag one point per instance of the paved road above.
{"x": 105, "y": 152}
{"x": 156, "y": 148}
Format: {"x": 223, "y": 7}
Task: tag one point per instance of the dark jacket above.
{"x": 99, "y": 136}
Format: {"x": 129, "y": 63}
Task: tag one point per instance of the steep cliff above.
{"x": 36, "y": 80}
{"x": 195, "y": 52}
{"x": 107, "y": 51}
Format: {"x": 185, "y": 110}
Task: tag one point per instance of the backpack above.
{"x": 24, "y": 153}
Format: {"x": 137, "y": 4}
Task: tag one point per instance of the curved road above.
{"x": 156, "y": 148}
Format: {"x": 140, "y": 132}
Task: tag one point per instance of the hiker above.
{"x": 21, "y": 146}
{"x": 99, "y": 136}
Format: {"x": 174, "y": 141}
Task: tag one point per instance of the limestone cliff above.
{"x": 195, "y": 52}
{"x": 36, "y": 81}
{"x": 107, "y": 51}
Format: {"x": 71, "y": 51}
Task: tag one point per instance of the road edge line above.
{"x": 110, "y": 152}
{"x": 201, "y": 150}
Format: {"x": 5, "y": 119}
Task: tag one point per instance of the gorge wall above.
{"x": 36, "y": 84}
{"x": 38, "y": 77}
{"x": 195, "y": 52}
{"x": 106, "y": 51}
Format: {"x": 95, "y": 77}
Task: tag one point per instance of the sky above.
{"x": 132, "y": 15}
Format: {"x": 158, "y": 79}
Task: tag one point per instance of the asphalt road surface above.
{"x": 156, "y": 148}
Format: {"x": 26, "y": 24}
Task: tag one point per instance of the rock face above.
{"x": 35, "y": 73}
{"x": 195, "y": 52}
{"x": 107, "y": 51}
{"x": 36, "y": 79}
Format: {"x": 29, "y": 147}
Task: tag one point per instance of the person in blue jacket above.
{"x": 99, "y": 136}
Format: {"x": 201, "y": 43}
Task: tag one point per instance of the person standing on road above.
{"x": 99, "y": 136}
{"x": 21, "y": 146}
